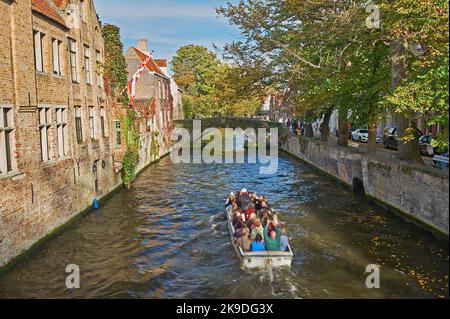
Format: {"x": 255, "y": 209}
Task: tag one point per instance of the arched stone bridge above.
{"x": 226, "y": 122}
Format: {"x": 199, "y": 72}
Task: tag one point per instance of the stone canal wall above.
{"x": 421, "y": 193}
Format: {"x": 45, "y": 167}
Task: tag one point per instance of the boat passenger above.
{"x": 257, "y": 230}
{"x": 236, "y": 218}
{"x": 251, "y": 210}
{"x": 284, "y": 240}
{"x": 240, "y": 226}
{"x": 230, "y": 200}
{"x": 243, "y": 199}
{"x": 244, "y": 241}
{"x": 272, "y": 239}
{"x": 258, "y": 244}
{"x": 235, "y": 208}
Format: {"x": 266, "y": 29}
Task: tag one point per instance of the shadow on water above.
{"x": 167, "y": 238}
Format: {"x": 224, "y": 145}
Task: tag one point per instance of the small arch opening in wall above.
{"x": 358, "y": 186}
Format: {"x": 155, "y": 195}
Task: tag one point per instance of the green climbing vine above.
{"x": 130, "y": 134}
{"x": 114, "y": 68}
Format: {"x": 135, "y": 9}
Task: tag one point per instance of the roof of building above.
{"x": 46, "y": 9}
{"x": 151, "y": 64}
{"x": 62, "y": 4}
{"x": 162, "y": 63}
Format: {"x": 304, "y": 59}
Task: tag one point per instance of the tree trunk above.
{"x": 343, "y": 126}
{"x": 407, "y": 151}
{"x": 325, "y": 126}
{"x": 372, "y": 146}
{"x": 309, "y": 130}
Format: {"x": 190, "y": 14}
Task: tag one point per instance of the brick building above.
{"x": 57, "y": 133}
{"x": 155, "y": 102}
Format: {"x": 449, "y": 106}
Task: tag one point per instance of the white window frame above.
{"x": 91, "y": 122}
{"x": 87, "y": 63}
{"x": 6, "y": 139}
{"x": 45, "y": 124}
{"x": 83, "y": 10}
{"x": 99, "y": 58}
{"x": 38, "y": 42}
{"x": 61, "y": 130}
{"x": 117, "y": 134}
{"x": 56, "y": 55}
{"x": 73, "y": 60}
{"x": 103, "y": 122}
{"x": 78, "y": 118}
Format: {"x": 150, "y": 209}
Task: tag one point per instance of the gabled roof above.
{"x": 162, "y": 63}
{"x": 151, "y": 64}
{"x": 46, "y": 9}
{"x": 62, "y": 4}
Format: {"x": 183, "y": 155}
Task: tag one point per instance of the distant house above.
{"x": 157, "y": 102}
{"x": 276, "y": 109}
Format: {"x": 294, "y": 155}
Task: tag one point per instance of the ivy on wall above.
{"x": 155, "y": 148}
{"x": 130, "y": 134}
{"x": 114, "y": 67}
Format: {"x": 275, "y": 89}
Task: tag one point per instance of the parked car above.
{"x": 390, "y": 137}
{"x": 426, "y": 147}
{"x": 360, "y": 135}
{"x": 441, "y": 161}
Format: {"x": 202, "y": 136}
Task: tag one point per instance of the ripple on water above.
{"x": 167, "y": 238}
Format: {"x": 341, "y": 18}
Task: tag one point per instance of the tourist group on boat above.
{"x": 256, "y": 226}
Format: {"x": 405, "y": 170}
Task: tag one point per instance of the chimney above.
{"x": 142, "y": 45}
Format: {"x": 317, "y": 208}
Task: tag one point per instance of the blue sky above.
{"x": 168, "y": 24}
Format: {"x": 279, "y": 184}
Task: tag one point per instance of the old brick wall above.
{"x": 419, "y": 192}
{"x": 38, "y": 196}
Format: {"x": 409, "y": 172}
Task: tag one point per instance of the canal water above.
{"x": 167, "y": 238}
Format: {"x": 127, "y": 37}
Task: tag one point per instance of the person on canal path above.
{"x": 258, "y": 244}
{"x": 272, "y": 239}
{"x": 244, "y": 241}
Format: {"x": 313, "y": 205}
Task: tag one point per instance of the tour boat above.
{"x": 260, "y": 259}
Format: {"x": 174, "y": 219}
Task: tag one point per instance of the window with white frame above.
{"x": 102, "y": 122}
{"x": 87, "y": 64}
{"x": 6, "y": 132}
{"x": 83, "y": 10}
{"x": 39, "y": 50}
{"x": 44, "y": 128}
{"x": 99, "y": 67}
{"x": 78, "y": 125}
{"x": 61, "y": 128}
{"x": 56, "y": 53}
{"x": 91, "y": 122}
{"x": 117, "y": 134}
{"x": 73, "y": 60}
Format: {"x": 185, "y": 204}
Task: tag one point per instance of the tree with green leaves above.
{"x": 214, "y": 88}
{"x": 329, "y": 55}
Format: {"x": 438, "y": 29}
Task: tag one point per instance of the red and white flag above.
{"x": 135, "y": 79}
